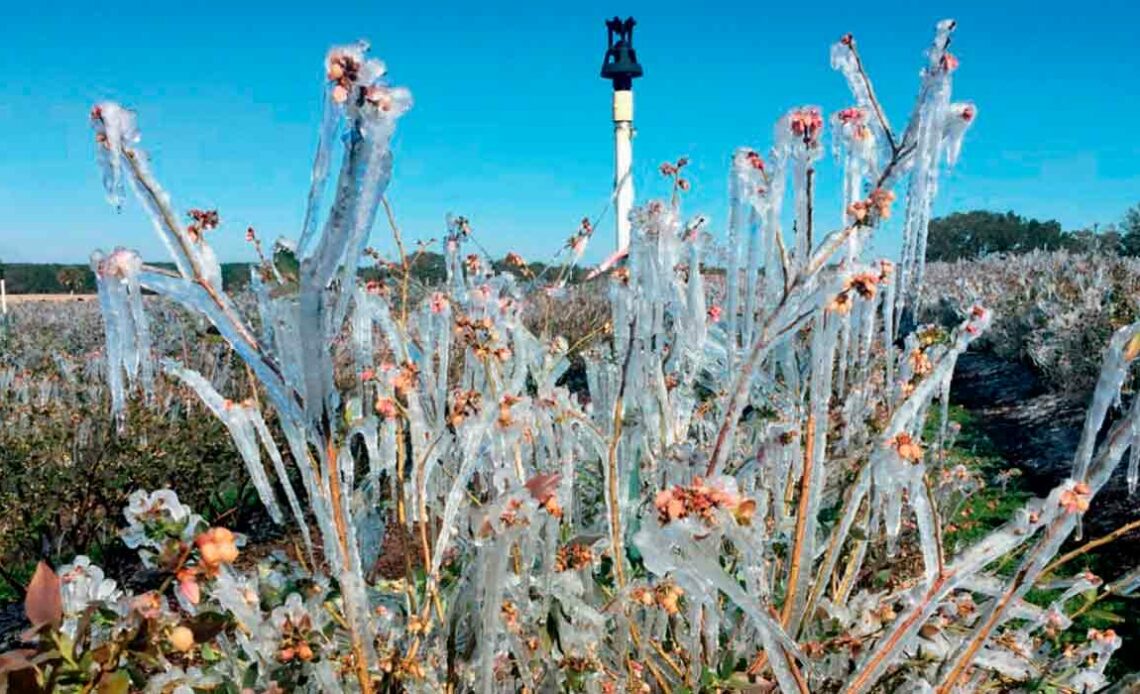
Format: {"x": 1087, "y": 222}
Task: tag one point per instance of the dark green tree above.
{"x": 1130, "y": 232}
{"x": 967, "y": 235}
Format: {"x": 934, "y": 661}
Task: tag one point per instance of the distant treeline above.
{"x": 57, "y": 278}
{"x": 969, "y": 235}
{"x": 958, "y": 236}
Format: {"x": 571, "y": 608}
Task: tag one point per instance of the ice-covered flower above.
{"x": 216, "y": 546}
{"x": 754, "y": 160}
{"x": 881, "y": 200}
{"x": 81, "y": 584}
{"x": 920, "y": 362}
{"x": 181, "y": 639}
{"x": 806, "y": 123}
{"x": 702, "y": 500}
{"x": 840, "y": 303}
{"x": 865, "y": 284}
{"x": 573, "y": 557}
{"x": 851, "y": 122}
{"x": 1076, "y": 498}
{"x": 154, "y": 518}
{"x": 906, "y": 447}
{"x": 438, "y": 302}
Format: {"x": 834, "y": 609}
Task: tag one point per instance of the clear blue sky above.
{"x": 510, "y": 126}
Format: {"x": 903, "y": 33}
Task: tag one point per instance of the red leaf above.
{"x": 543, "y": 486}
{"x": 43, "y": 604}
{"x": 13, "y": 661}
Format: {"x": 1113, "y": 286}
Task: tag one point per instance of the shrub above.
{"x": 65, "y": 471}
{"x": 1056, "y": 311}
{"x": 710, "y": 515}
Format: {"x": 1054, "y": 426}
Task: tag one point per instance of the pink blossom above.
{"x": 438, "y": 303}
{"x": 851, "y": 114}
{"x": 806, "y": 123}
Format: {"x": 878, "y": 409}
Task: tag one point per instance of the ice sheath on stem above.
{"x": 307, "y": 408}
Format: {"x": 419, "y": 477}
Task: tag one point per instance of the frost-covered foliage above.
{"x": 66, "y": 471}
{"x": 1055, "y": 310}
{"x": 705, "y": 514}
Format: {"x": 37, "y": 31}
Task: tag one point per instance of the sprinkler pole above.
{"x": 620, "y": 66}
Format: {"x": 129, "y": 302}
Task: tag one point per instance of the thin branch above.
{"x": 875, "y": 105}
{"x": 1089, "y": 546}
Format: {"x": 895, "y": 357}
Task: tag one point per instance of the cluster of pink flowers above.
{"x": 907, "y": 447}
{"x": 806, "y": 123}
{"x": 438, "y": 302}
{"x": 201, "y": 221}
{"x": 855, "y": 120}
{"x": 342, "y": 71}
{"x": 1076, "y": 499}
{"x": 865, "y": 284}
{"x": 876, "y": 206}
{"x": 755, "y": 160}
{"x": 702, "y": 501}
{"x": 670, "y": 169}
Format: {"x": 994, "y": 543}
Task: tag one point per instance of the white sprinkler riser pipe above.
{"x": 3, "y": 298}
{"x": 623, "y": 161}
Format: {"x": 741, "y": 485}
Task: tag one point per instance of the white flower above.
{"x": 145, "y": 510}
{"x": 81, "y": 584}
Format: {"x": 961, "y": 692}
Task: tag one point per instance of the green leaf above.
{"x": 250, "y": 678}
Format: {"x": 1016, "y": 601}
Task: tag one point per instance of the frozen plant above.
{"x": 705, "y": 515}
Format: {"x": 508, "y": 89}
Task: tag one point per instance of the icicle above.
{"x": 959, "y": 118}
{"x": 194, "y": 297}
{"x": 239, "y": 423}
{"x": 824, "y": 336}
{"x": 844, "y": 59}
{"x": 798, "y": 137}
{"x": 737, "y": 222}
{"x": 125, "y": 324}
{"x": 1134, "y": 459}
{"x": 326, "y": 134}
{"x": 1122, "y": 348}
{"x": 925, "y": 132}
{"x": 117, "y": 132}
{"x": 114, "y": 127}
